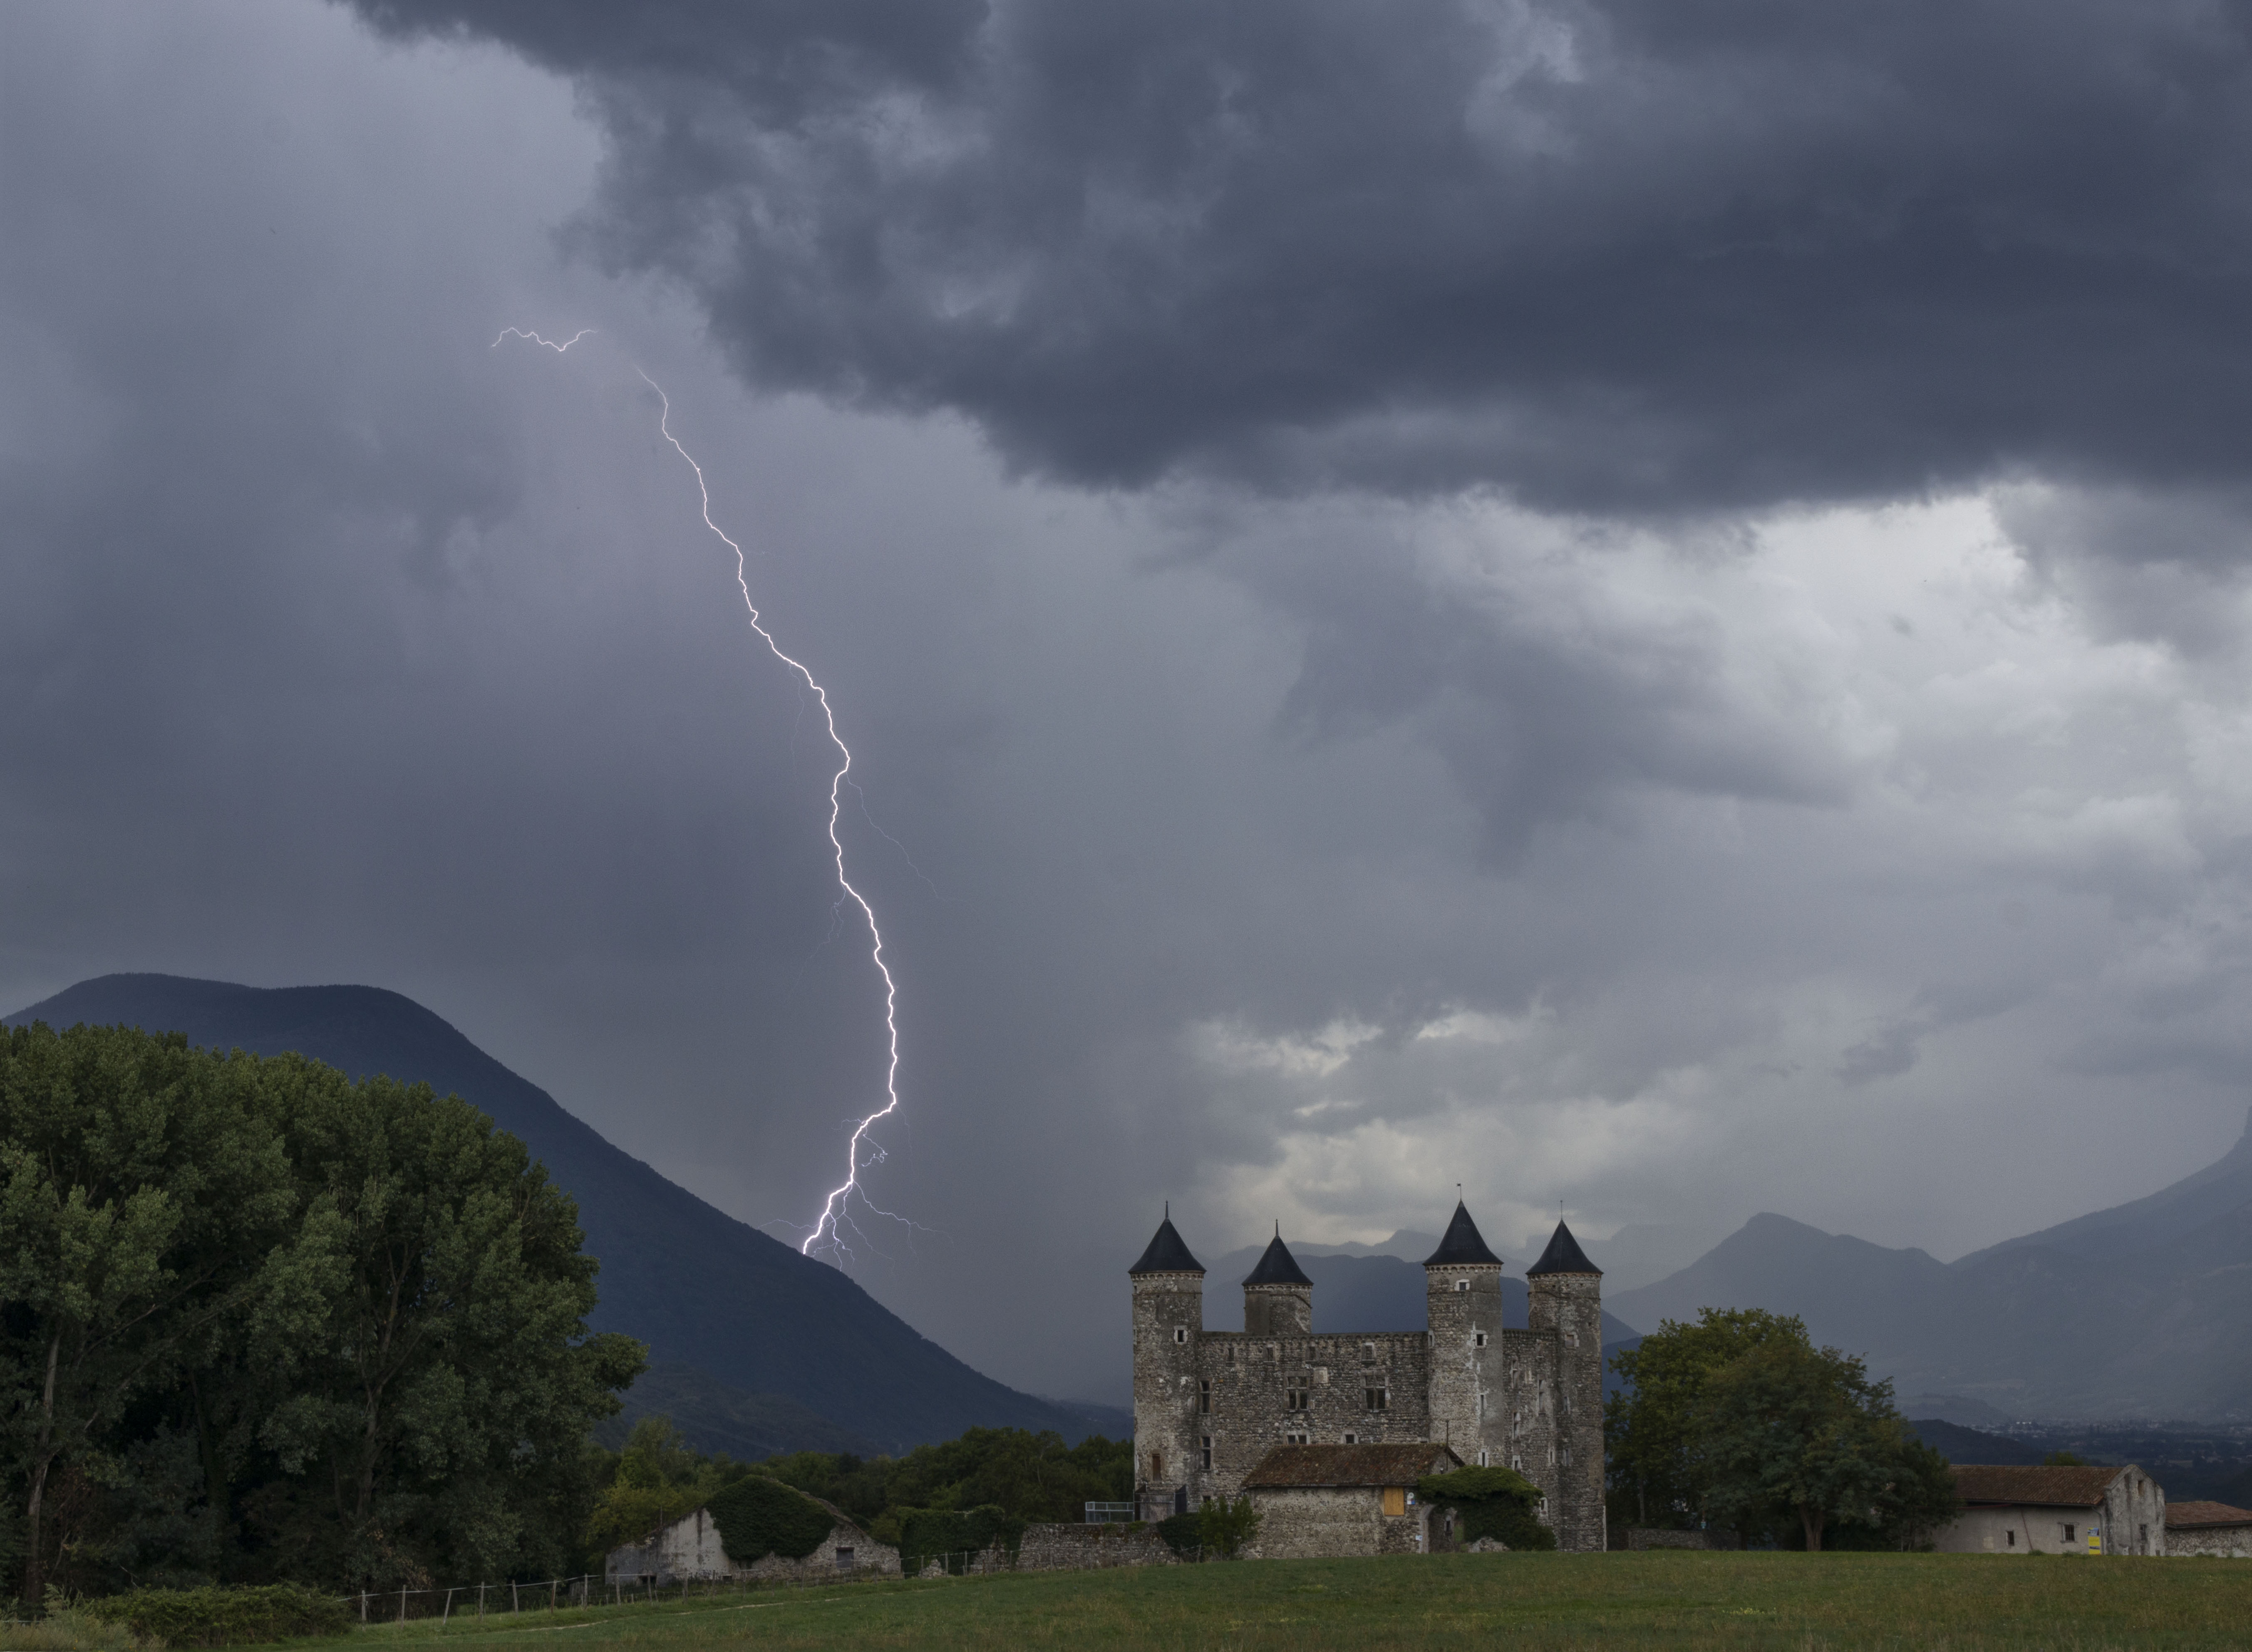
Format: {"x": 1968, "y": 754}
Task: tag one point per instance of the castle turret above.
{"x": 1568, "y": 1292}
{"x": 1461, "y": 1283}
{"x": 1278, "y": 1298}
{"x": 1168, "y": 1320}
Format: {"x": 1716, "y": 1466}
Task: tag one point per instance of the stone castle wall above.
{"x": 1321, "y": 1523}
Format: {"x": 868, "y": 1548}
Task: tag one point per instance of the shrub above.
{"x": 1488, "y": 1503}
{"x": 224, "y": 1617}
{"x": 1225, "y": 1528}
{"x": 1180, "y": 1533}
{"x": 70, "y": 1631}
{"x": 758, "y": 1516}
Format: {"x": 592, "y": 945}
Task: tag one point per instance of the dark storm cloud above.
{"x": 1640, "y": 255}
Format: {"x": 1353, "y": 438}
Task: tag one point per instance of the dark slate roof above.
{"x": 1464, "y": 1244}
{"x": 2189, "y": 1516}
{"x": 1563, "y": 1256}
{"x": 1166, "y": 1254}
{"x": 2054, "y": 1487}
{"x": 1277, "y": 1266}
{"x": 1288, "y": 1467}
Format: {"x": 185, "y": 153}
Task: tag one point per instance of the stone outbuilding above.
{"x": 2209, "y": 1528}
{"x": 2009, "y": 1509}
{"x": 690, "y": 1549}
{"x": 1334, "y": 1501}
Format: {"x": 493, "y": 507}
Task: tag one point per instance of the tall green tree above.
{"x": 145, "y": 1206}
{"x": 1649, "y": 1424}
{"x": 1786, "y": 1426}
{"x": 437, "y": 1413}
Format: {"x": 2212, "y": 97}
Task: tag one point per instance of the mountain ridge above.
{"x": 678, "y": 1272}
{"x": 2141, "y": 1310}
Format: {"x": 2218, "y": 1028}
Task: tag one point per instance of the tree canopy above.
{"x": 258, "y": 1321}
{"x": 1738, "y": 1421}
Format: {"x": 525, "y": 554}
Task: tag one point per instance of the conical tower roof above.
{"x": 1277, "y": 1266}
{"x": 1563, "y": 1256}
{"x": 1464, "y": 1244}
{"x": 1166, "y": 1254}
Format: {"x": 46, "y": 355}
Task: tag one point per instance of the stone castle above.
{"x": 1209, "y": 1406}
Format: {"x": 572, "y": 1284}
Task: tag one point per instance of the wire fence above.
{"x": 479, "y": 1601}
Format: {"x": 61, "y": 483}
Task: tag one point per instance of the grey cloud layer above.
{"x": 1639, "y": 256}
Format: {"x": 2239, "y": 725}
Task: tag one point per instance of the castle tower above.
{"x": 1462, "y": 1281}
{"x": 1168, "y": 1320}
{"x": 1278, "y": 1298}
{"x": 1567, "y": 1293}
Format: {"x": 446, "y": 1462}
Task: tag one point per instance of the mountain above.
{"x": 2141, "y": 1310}
{"x": 1958, "y": 1444}
{"x": 777, "y": 1337}
{"x": 1363, "y": 1293}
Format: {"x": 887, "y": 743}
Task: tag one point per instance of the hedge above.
{"x": 926, "y": 1533}
{"x": 224, "y": 1617}
{"x": 759, "y": 1516}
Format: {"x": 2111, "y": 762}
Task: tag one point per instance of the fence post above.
{"x": 446, "y": 1616}
{"x": 481, "y": 1603}
{"x": 362, "y": 1605}
{"x": 551, "y": 1588}
{"x": 515, "y": 1600}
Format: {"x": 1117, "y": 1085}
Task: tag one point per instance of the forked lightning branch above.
{"x": 828, "y": 1231}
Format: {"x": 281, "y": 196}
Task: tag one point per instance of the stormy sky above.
{"x": 1640, "y": 606}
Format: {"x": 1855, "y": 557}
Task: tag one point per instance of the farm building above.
{"x": 2013, "y": 1510}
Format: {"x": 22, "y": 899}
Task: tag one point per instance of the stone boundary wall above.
{"x": 1074, "y": 1547}
{"x": 1643, "y": 1537}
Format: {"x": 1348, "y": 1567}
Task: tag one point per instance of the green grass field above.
{"x": 1960, "y": 1602}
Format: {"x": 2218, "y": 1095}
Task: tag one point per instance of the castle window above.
{"x": 1368, "y": 1353}
{"x": 1157, "y": 1465}
{"x": 1180, "y": 1333}
{"x": 1208, "y": 1451}
{"x": 1297, "y": 1439}
{"x": 1481, "y": 1461}
{"x": 1203, "y": 1402}
{"x": 1296, "y": 1399}
{"x": 1352, "y": 1440}
{"x": 1462, "y": 1284}
{"x": 1517, "y": 1463}
{"x": 1377, "y": 1398}
{"x": 1478, "y": 1339}
{"x": 1571, "y": 1339}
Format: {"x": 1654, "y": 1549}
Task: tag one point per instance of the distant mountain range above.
{"x": 2142, "y": 1310}
{"x": 755, "y": 1348}
{"x": 1369, "y": 1293}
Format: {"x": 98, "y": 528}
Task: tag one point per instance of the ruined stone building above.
{"x": 1209, "y": 1406}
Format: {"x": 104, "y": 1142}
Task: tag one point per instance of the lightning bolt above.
{"x": 559, "y": 348}
{"x": 826, "y": 1225}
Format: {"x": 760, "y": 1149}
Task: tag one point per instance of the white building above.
{"x": 2011, "y": 1509}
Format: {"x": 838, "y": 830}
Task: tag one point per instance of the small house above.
{"x": 2010, "y": 1509}
{"x": 1332, "y": 1501}
{"x": 691, "y": 1549}
{"x": 2209, "y": 1528}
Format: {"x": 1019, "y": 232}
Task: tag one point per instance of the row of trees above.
{"x": 1018, "y": 1474}
{"x": 258, "y": 1322}
{"x": 1738, "y": 1421}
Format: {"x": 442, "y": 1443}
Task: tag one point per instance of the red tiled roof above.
{"x": 1298, "y": 1466}
{"x": 2206, "y": 1514}
{"x": 2053, "y": 1487}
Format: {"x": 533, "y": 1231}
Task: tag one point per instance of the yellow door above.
{"x": 1395, "y": 1499}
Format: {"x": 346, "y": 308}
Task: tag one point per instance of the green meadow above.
{"x": 1960, "y": 1602}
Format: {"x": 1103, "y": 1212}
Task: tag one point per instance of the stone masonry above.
{"x": 1208, "y": 1405}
